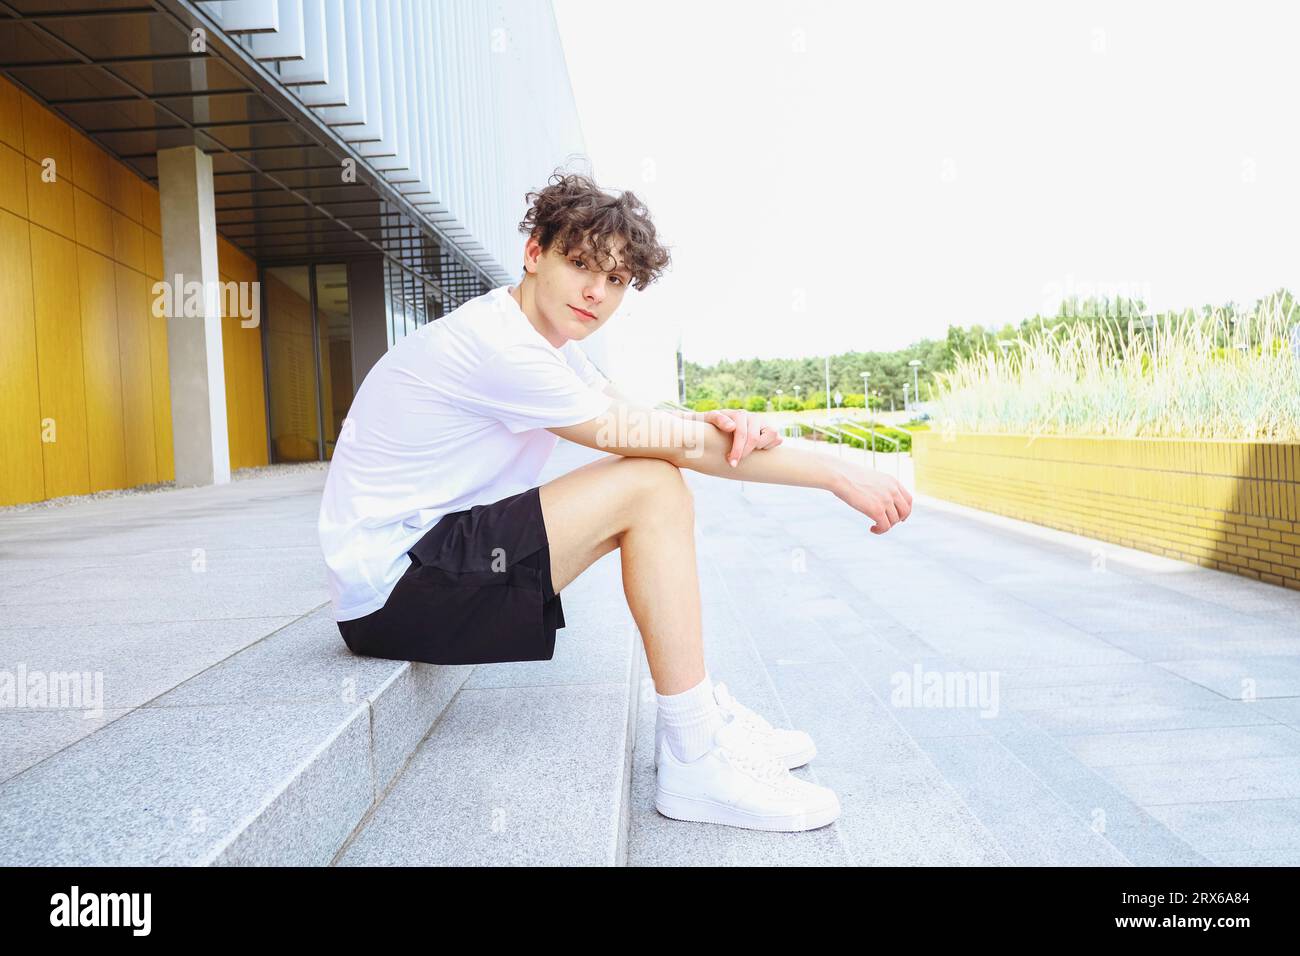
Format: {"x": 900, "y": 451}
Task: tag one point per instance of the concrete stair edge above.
{"x": 308, "y": 800}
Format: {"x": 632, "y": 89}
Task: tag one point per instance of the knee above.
{"x": 659, "y": 479}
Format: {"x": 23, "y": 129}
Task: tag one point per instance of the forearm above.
{"x": 705, "y": 450}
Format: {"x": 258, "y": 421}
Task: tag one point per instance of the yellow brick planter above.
{"x": 1230, "y": 505}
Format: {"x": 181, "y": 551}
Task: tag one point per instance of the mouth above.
{"x": 586, "y": 316}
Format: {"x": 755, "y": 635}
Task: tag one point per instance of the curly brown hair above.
{"x": 572, "y": 211}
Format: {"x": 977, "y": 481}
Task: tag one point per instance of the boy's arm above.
{"x": 630, "y": 429}
{"x": 700, "y": 446}
{"x": 620, "y": 396}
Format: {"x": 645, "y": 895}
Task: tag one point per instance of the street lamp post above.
{"x": 906, "y": 386}
{"x": 916, "y": 387}
{"x": 828, "y": 386}
{"x": 871, "y": 419}
{"x": 873, "y": 430}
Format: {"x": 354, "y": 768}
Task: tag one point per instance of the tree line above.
{"x": 752, "y": 383}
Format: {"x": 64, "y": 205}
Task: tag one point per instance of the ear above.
{"x": 532, "y": 252}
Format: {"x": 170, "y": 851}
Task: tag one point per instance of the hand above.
{"x": 875, "y": 494}
{"x": 750, "y": 431}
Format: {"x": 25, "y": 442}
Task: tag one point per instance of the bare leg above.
{"x": 644, "y": 507}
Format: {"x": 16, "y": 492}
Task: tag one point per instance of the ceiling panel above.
{"x": 122, "y": 71}
{"x": 114, "y": 36}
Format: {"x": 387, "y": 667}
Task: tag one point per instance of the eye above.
{"x": 619, "y": 278}
{"x": 578, "y": 262}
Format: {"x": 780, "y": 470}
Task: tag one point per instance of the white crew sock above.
{"x": 688, "y": 720}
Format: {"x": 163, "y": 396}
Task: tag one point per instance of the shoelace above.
{"x": 767, "y": 769}
{"x": 753, "y": 722}
{"x": 760, "y": 731}
{"x": 747, "y": 717}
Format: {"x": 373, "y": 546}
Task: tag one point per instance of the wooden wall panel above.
{"x": 128, "y": 242}
{"x": 46, "y": 136}
{"x": 90, "y": 167}
{"x": 230, "y": 345}
{"x": 78, "y": 341}
{"x": 22, "y": 473}
{"x": 49, "y": 204}
{"x": 59, "y": 363}
{"x": 11, "y": 115}
{"x": 150, "y": 208}
{"x": 293, "y": 404}
{"x": 124, "y": 190}
{"x": 340, "y": 358}
{"x": 94, "y": 222}
{"x": 103, "y": 370}
{"x": 153, "y": 256}
{"x": 137, "y": 375}
{"x": 327, "y": 378}
{"x": 162, "y": 396}
{"x": 242, "y": 351}
{"x": 13, "y": 181}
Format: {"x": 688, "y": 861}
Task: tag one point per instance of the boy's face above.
{"x": 572, "y": 295}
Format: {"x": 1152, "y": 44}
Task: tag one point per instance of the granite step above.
{"x": 529, "y": 764}
{"x": 270, "y": 757}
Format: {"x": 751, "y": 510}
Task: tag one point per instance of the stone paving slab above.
{"x": 1122, "y": 736}
{"x": 1146, "y": 711}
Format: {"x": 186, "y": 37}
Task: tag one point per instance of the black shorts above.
{"x": 478, "y": 591}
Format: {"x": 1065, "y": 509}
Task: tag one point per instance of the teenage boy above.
{"x": 442, "y": 548}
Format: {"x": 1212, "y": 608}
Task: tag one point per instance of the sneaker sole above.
{"x": 699, "y": 810}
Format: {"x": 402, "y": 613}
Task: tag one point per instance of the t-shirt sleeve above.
{"x": 526, "y": 387}
{"x": 584, "y": 366}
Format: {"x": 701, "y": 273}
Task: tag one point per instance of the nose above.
{"x": 595, "y": 290}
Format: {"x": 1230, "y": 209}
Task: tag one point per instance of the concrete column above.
{"x": 200, "y": 439}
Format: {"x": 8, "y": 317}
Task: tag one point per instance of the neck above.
{"x": 523, "y": 295}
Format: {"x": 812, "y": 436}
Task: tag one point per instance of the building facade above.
{"x": 217, "y": 216}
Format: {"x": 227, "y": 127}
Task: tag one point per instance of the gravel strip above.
{"x": 239, "y": 474}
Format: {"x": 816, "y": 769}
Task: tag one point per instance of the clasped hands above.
{"x": 748, "y": 430}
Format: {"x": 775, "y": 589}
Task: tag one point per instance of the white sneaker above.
{"x": 737, "y": 784}
{"x": 793, "y": 748}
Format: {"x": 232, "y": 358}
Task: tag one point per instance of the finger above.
{"x": 903, "y": 498}
{"x": 882, "y": 520}
{"x": 893, "y": 513}
{"x": 751, "y": 437}
{"x": 738, "y": 443}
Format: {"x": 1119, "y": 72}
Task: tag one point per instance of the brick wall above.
{"x": 1230, "y": 505}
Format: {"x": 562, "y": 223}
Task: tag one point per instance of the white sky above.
{"x": 894, "y": 168}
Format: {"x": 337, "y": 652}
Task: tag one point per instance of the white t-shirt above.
{"x": 454, "y": 415}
